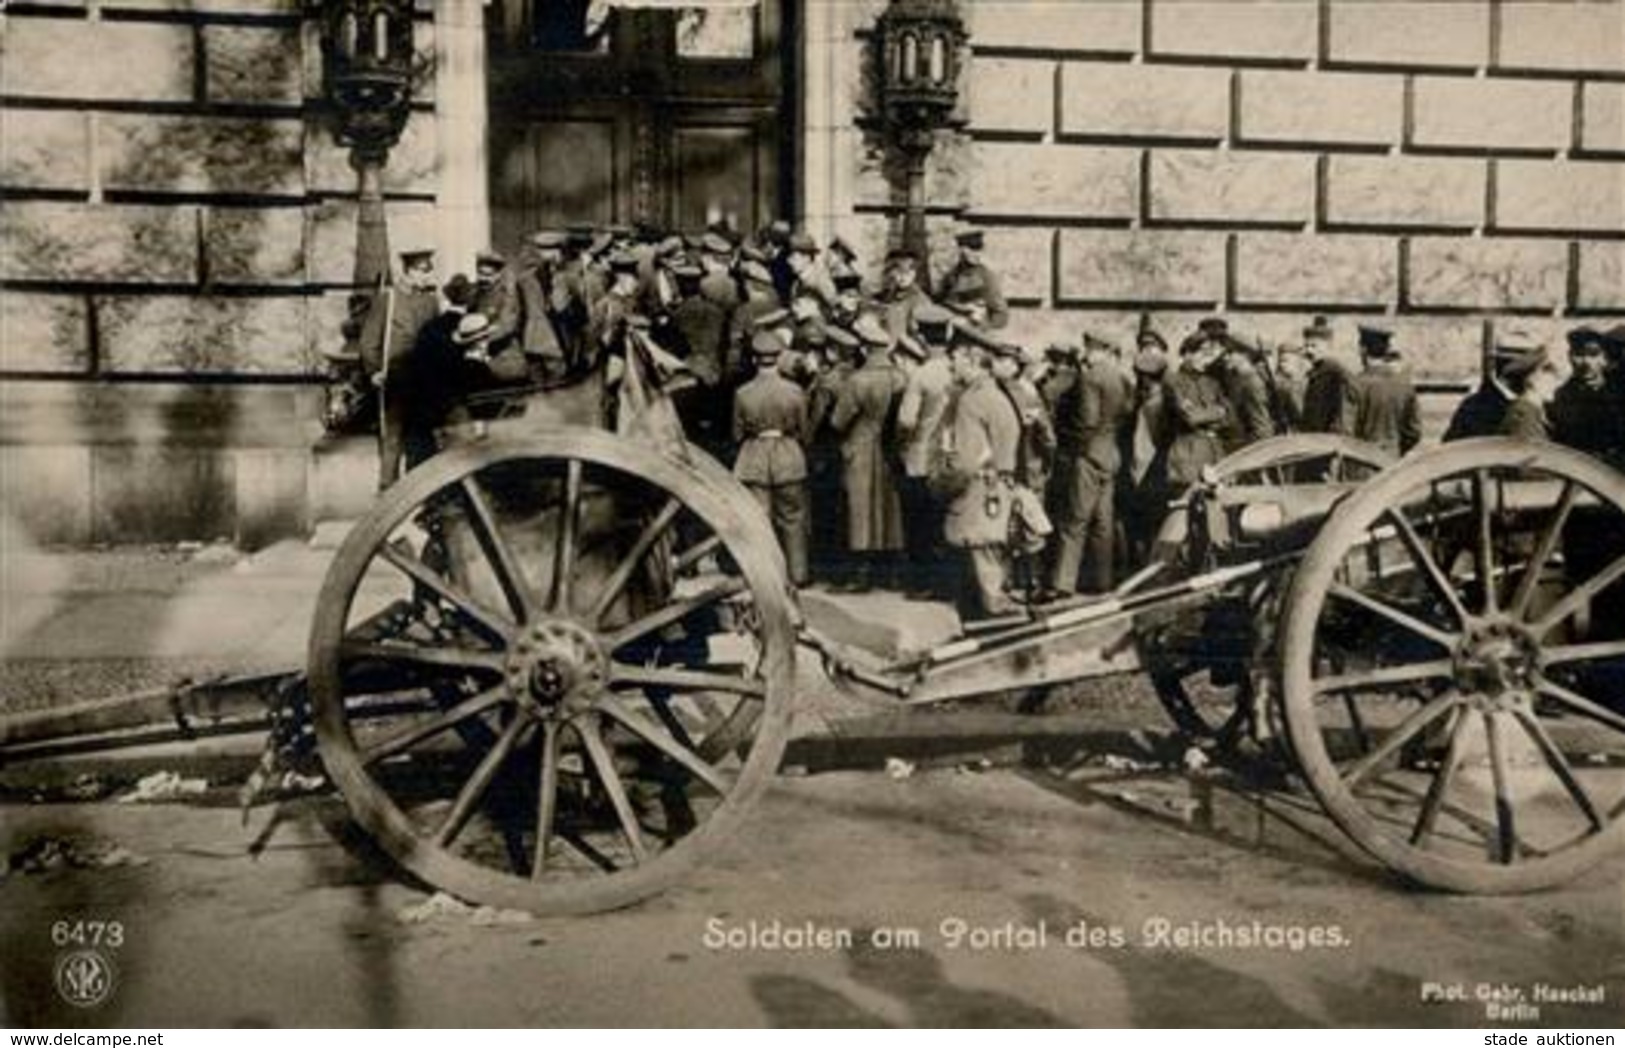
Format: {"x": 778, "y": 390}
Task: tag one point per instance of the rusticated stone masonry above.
{"x": 177, "y": 232}
{"x": 1452, "y": 165}
{"x": 165, "y": 151}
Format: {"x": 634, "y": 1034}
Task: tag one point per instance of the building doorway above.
{"x": 615, "y": 113}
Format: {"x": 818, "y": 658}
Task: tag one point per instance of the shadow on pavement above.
{"x": 913, "y": 977}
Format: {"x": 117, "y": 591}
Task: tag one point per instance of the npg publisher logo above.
{"x": 84, "y": 977}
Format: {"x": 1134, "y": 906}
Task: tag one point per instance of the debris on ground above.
{"x": 490, "y": 917}
{"x": 1196, "y": 760}
{"x": 437, "y": 905}
{"x": 162, "y": 786}
{"x": 898, "y": 768}
{"x": 45, "y": 853}
{"x": 441, "y": 905}
{"x": 87, "y": 787}
{"x": 1117, "y": 762}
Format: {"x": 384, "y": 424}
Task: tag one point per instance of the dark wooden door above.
{"x": 611, "y": 115}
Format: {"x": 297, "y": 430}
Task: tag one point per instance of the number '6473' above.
{"x": 88, "y": 933}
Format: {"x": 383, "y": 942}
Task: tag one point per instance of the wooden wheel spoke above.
{"x": 1580, "y": 595}
{"x": 1506, "y": 830}
{"x": 660, "y": 740}
{"x": 586, "y": 850}
{"x": 569, "y": 525}
{"x": 1418, "y": 549}
{"x": 498, "y": 627}
{"x": 1519, "y": 605}
{"x": 1561, "y": 768}
{"x": 1580, "y": 704}
{"x": 449, "y": 658}
{"x": 684, "y": 680}
{"x": 1357, "y": 722}
{"x": 1428, "y": 814}
{"x": 475, "y": 789}
{"x": 676, "y": 611}
{"x": 1407, "y": 730}
{"x": 403, "y": 740}
{"x": 1601, "y": 650}
{"x": 616, "y": 583}
{"x": 1385, "y": 675}
{"x": 504, "y": 565}
{"x": 1484, "y": 544}
{"x": 604, "y": 763}
{"x": 547, "y": 798}
{"x": 1400, "y": 618}
{"x": 696, "y": 553}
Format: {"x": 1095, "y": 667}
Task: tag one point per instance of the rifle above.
{"x": 388, "y": 291}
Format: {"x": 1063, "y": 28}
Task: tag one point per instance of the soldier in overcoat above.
{"x": 1387, "y": 411}
{"x": 864, "y": 415}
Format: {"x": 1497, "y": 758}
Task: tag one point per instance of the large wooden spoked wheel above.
{"x": 1201, "y": 660}
{"x": 1452, "y": 661}
{"x": 549, "y": 674}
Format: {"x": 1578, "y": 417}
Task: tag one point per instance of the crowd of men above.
{"x": 883, "y": 421}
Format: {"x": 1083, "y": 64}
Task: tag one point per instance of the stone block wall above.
{"x": 1450, "y": 164}
{"x": 178, "y": 229}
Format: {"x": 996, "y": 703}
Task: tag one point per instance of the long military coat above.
{"x": 1387, "y": 412}
{"x": 864, "y": 409}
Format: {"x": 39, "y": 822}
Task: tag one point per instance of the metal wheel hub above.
{"x": 1497, "y": 662}
{"x": 557, "y": 668}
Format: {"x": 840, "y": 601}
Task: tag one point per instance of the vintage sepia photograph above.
{"x": 812, "y": 513}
